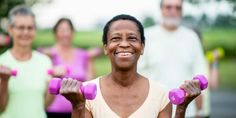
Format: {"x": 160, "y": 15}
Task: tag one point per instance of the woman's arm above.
{"x": 48, "y": 97}
{"x": 81, "y": 112}
{"x": 166, "y": 112}
{"x": 3, "y": 94}
{"x": 90, "y": 69}
{"x": 4, "y": 77}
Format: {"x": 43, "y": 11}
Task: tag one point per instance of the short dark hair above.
{"x": 63, "y": 20}
{"x": 162, "y": 1}
{"x": 123, "y": 17}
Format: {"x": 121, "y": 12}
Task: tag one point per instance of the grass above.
{"x": 81, "y": 39}
{"x": 227, "y": 73}
{"x": 220, "y": 37}
{"x": 102, "y": 66}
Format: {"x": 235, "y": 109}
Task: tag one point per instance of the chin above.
{"x": 26, "y": 44}
{"x": 125, "y": 66}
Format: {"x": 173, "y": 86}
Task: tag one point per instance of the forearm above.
{"x": 78, "y": 111}
{"x": 91, "y": 70}
{"x": 48, "y": 99}
{"x": 199, "y": 102}
{"x": 3, "y": 94}
{"x": 180, "y": 112}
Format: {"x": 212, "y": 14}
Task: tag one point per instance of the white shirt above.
{"x": 155, "y": 102}
{"x": 172, "y": 57}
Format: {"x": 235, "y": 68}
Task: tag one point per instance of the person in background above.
{"x": 68, "y": 61}
{"x": 173, "y": 53}
{"x": 25, "y": 95}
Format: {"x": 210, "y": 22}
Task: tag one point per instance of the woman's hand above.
{"x": 59, "y": 71}
{"x": 192, "y": 89}
{"x": 94, "y": 52}
{"x": 70, "y": 89}
{"x": 5, "y": 72}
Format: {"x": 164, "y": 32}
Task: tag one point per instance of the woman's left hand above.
{"x": 192, "y": 89}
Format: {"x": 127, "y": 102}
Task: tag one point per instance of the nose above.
{"x": 124, "y": 43}
{"x": 25, "y": 31}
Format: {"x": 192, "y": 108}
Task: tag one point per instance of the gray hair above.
{"x": 20, "y": 10}
{"x": 162, "y": 1}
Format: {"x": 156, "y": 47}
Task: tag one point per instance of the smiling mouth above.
{"x": 123, "y": 54}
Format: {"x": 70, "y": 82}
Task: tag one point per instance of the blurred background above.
{"x": 214, "y": 20}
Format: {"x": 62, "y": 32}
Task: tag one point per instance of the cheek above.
{"x": 137, "y": 47}
{"x": 111, "y": 47}
{"x": 33, "y": 34}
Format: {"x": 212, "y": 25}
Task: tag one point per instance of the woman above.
{"x": 123, "y": 92}
{"x": 23, "y": 96}
{"x": 68, "y": 61}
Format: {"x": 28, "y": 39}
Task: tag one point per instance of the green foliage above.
{"x": 148, "y": 21}
{"x": 227, "y": 73}
{"x": 81, "y": 39}
{"x": 220, "y": 37}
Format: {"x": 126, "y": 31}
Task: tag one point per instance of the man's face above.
{"x": 172, "y": 12}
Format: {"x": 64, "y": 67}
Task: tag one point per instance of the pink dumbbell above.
{"x": 13, "y": 72}
{"x": 177, "y": 96}
{"x": 51, "y": 71}
{"x": 89, "y": 91}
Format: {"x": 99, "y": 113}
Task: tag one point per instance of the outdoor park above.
{"x": 217, "y": 32}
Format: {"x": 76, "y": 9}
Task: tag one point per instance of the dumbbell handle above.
{"x": 89, "y": 91}
{"x": 177, "y": 96}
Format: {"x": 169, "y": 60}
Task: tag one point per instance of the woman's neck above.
{"x": 124, "y": 78}
{"x": 63, "y": 48}
{"x": 21, "y": 53}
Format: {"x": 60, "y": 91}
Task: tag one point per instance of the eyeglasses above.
{"x": 169, "y": 7}
{"x": 23, "y": 28}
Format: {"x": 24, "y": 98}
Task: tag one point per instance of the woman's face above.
{"x": 64, "y": 33}
{"x": 22, "y": 30}
{"x": 123, "y": 44}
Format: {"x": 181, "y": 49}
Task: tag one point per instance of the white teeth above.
{"x": 124, "y": 54}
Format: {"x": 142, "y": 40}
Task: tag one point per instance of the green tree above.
{"x": 7, "y": 5}
{"x": 148, "y": 21}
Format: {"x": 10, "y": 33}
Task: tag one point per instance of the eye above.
{"x": 132, "y": 38}
{"x": 115, "y": 39}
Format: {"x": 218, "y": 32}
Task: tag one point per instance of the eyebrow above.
{"x": 117, "y": 33}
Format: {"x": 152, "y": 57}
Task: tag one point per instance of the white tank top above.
{"x": 155, "y": 102}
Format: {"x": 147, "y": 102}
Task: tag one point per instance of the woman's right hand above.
{"x": 5, "y": 72}
{"x": 59, "y": 71}
{"x": 70, "y": 89}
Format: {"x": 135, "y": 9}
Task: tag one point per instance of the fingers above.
{"x": 191, "y": 87}
{"x": 59, "y": 71}
{"x": 69, "y": 86}
{"x": 4, "y": 71}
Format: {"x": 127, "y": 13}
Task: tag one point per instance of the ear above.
{"x": 10, "y": 30}
{"x": 142, "y": 49}
{"x": 105, "y": 49}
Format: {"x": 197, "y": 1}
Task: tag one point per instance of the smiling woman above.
{"x": 124, "y": 92}
{"x": 24, "y": 95}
